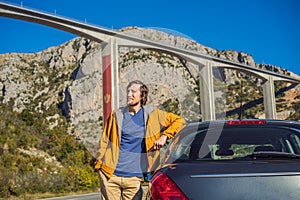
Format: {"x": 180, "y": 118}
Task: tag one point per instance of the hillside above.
{"x": 51, "y": 104}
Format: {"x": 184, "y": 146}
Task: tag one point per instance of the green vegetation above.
{"x": 296, "y": 115}
{"x": 249, "y": 95}
{"x": 23, "y": 171}
{"x": 246, "y": 97}
{"x": 171, "y": 105}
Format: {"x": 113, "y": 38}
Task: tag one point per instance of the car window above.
{"x": 234, "y": 142}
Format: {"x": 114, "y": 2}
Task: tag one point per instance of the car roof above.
{"x": 204, "y": 124}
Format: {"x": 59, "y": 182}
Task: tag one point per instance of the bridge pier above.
{"x": 207, "y": 98}
{"x": 110, "y": 77}
{"x": 269, "y": 98}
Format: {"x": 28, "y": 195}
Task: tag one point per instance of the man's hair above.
{"x": 143, "y": 89}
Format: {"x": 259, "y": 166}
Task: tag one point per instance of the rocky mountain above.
{"x": 68, "y": 79}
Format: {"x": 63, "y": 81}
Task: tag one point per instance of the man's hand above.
{"x": 97, "y": 165}
{"x": 160, "y": 142}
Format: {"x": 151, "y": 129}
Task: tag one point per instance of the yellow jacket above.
{"x": 157, "y": 122}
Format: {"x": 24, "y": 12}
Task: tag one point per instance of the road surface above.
{"x": 91, "y": 196}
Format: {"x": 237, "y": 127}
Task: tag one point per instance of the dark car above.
{"x": 242, "y": 159}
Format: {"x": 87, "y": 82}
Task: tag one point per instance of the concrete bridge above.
{"x": 111, "y": 40}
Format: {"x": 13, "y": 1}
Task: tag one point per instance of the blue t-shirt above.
{"x": 132, "y": 158}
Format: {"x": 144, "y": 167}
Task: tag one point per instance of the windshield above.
{"x": 234, "y": 142}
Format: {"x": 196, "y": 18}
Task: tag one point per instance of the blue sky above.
{"x": 269, "y": 30}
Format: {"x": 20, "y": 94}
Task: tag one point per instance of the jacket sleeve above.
{"x": 104, "y": 141}
{"x": 171, "y": 123}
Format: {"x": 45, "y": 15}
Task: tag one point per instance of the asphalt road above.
{"x": 91, "y": 196}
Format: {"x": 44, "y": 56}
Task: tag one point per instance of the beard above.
{"x": 133, "y": 104}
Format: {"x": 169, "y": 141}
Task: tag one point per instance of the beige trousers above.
{"x": 116, "y": 187}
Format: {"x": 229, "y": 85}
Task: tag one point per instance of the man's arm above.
{"x": 172, "y": 124}
{"x": 103, "y": 143}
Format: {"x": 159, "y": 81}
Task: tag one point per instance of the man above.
{"x": 130, "y": 143}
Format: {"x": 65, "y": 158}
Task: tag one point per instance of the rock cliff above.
{"x": 69, "y": 77}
